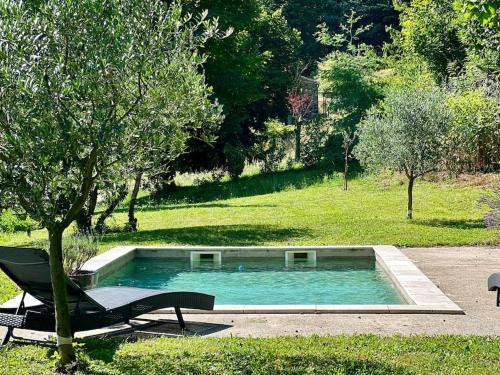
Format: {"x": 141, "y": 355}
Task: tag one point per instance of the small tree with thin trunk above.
{"x": 405, "y": 134}
{"x": 78, "y": 82}
{"x": 348, "y": 138}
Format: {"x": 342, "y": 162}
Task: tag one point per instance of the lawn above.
{"x": 304, "y": 207}
{"x": 366, "y": 354}
{"x": 297, "y": 208}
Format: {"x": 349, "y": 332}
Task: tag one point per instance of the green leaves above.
{"x": 84, "y": 85}
{"x": 484, "y": 11}
{"x": 406, "y": 133}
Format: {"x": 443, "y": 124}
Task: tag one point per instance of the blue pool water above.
{"x": 265, "y": 281}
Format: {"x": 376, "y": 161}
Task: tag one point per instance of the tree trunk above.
{"x": 120, "y": 196}
{"x": 57, "y": 276}
{"x": 346, "y": 168}
{"x": 132, "y": 220}
{"x": 298, "y": 131}
{"x": 84, "y": 218}
{"x": 411, "y": 180}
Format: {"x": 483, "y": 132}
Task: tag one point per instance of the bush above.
{"x": 492, "y": 218}
{"x": 235, "y": 159}
{"x": 271, "y": 145}
{"x": 314, "y": 137}
{"x": 10, "y": 222}
{"x": 475, "y": 134}
{"x": 77, "y": 249}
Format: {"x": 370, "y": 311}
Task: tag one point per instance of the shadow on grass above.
{"x": 454, "y": 224}
{"x": 243, "y": 187}
{"x": 211, "y": 235}
{"x": 148, "y": 205}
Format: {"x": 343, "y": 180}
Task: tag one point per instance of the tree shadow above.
{"x": 454, "y": 224}
{"x": 147, "y": 205}
{"x": 237, "y": 235}
{"x": 243, "y": 187}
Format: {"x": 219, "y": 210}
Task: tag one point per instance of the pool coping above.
{"x": 423, "y": 296}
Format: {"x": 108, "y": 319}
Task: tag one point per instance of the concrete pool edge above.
{"x": 423, "y": 296}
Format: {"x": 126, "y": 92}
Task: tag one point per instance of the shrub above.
{"x": 10, "y": 222}
{"x": 314, "y": 137}
{"x": 235, "y": 159}
{"x": 270, "y": 148}
{"x": 77, "y": 249}
{"x": 475, "y": 134}
{"x": 492, "y": 217}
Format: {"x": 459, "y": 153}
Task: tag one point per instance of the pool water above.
{"x": 264, "y": 281}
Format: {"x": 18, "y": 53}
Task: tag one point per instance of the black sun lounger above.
{"x": 494, "y": 284}
{"x": 89, "y": 309}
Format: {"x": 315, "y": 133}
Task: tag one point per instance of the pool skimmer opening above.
{"x": 199, "y": 258}
{"x": 300, "y": 257}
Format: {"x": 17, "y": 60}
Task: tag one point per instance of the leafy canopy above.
{"x": 77, "y": 96}
{"x": 406, "y": 134}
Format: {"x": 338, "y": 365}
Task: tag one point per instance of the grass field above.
{"x": 303, "y": 208}
{"x": 372, "y": 355}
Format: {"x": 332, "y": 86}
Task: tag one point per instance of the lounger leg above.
{"x": 6, "y": 338}
{"x": 180, "y": 318}
{"x": 498, "y": 297}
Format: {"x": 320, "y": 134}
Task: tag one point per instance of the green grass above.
{"x": 303, "y": 208}
{"x": 285, "y": 355}
{"x": 7, "y": 288}
{"x": 299, "y": 208}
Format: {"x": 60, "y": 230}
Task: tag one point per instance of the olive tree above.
{"x": 78, "y": 90}
{"x": 406, "y": 134}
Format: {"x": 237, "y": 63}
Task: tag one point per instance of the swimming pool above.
{"x": 265, "y": 281}
{"x": 375, "y": 279}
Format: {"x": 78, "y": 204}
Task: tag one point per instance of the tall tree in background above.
{"x": 479, "y": 30}
{"x": 77, "y": 89}
{"x": 306, "y": 15}
{"x": 429, "y": 31}
{"x": 346, "y": 79}
{"x": 250, "y": 72}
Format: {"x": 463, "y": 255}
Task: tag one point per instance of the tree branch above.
{"x": 136, "y": 101}
{"x": 88, "y": 180}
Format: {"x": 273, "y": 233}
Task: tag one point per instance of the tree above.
{"x": 345, "y": 73}
{"x": 169, "y": 130}
{"x": 406, "y": 135}
{"x": 299, "y": 104}
{"x": 478, "y": 25}
{"x": 429, "y": 31}
{"x": 77, "y": 89}
{"x": 348, "y": 139}
{"x": 250, "y": 72}
{"x": 306, "y": 15}
{"x": 484, "y": 11}
{"x": 347, "y": 79}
